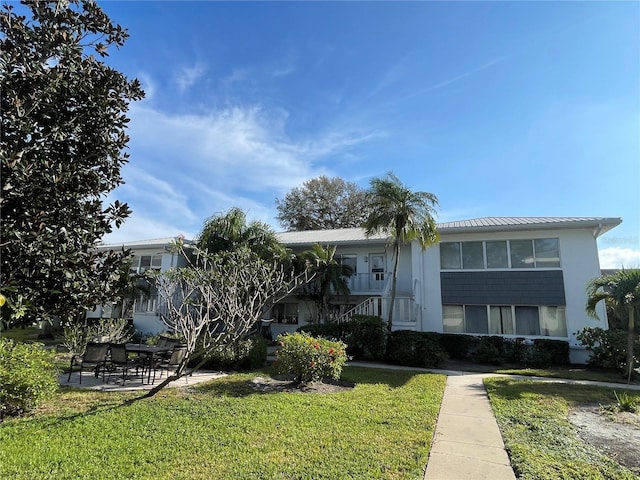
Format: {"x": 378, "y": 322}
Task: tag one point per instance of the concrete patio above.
{"x": 115, "y": 384}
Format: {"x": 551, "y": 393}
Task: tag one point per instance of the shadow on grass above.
{"x": 512, "y": 389}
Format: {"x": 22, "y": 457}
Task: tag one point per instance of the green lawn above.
{"x": 573, "y": 373}
{"x": 381, "y": 429}
{"x": 542, "y": 444}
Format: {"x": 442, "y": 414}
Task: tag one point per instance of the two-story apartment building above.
{"x": 515, "y": 277}
{"x": 509, "y": 276}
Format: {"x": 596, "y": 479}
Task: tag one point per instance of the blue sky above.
{"x": 499, "y": 108}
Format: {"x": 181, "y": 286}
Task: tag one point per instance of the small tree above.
{"x": 329, "y": 274}
{"x": 622, "y": 291}
{"x": 218, "y": 298}
{"x": 62, "y": 141}
{"x": 323, "y": 203}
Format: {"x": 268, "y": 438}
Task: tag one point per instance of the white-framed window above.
{"x": 521, "y": 320}
{"x": 350, "y": 260}
{"x": 142, "y": 263}
{"x": 146, "y": 303}
{"x": 500, "y": 254}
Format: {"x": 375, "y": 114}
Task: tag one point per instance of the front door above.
{"x": 377, "y": 265}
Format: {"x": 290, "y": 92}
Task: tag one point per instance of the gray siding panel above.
{"x": 503, "y": 288}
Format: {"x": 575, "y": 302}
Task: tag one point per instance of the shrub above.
{"x": 489, "y": 350}
{"x": 557, "y": 350}
{"x": 27, "y": 376}
{"x": 105, "y": 330}
{"x": 247, "y": 354}
{"x": 310, "y": 358}
{"x": 458, "y": 346}
{"x": 368, "y": 336}
{"x": 415, "y": 349}
{"x": 325, "y": 330}
{"x": 607, "y": 347}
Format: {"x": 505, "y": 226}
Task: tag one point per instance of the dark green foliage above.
{"x": 415, "y": 349}
{"x": 27, "y": 376}
{"x": 324, "y": 330}
{"x": 489, "y": 350}
{"x": 368, "y": 337}
{"x": 457, "y": 346}
{"x": 607, "y": 347}
{"x": 247, "y": 354}
{"x": 323, "y": 203}
{"x": 62, "y": 141}
{"x": 558, "y": 350}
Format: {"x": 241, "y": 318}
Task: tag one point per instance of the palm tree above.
{"x": 403, "y": 215}
{"x": 621, "y": 291}
{"x": 229, "y": 231}
{"x": 329, "y": 273}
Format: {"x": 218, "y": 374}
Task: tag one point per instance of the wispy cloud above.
{"x": 186, "y": 77}
{"x": 186, "y": 167}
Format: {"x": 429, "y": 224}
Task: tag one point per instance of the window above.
{"x": 452, "y": 319}
{"x": 497, "y": 256}
{"x": 350, "y": 260}
{"x": 472, "y": 256}
{"x": 548, "y": 321}
{"x": 547, "y": 252}
{"x": 145, "y": 262}
{"x": 553, "y": 321}
{"x": 522, "y": 254}
{"x": 285, "y": 313}
{"x": 500, "y": 320}
{"x": 475, "y": 319}
{"x": 450, "y": 255}
{"x": 527, "y": 321}
{"x": 538, "y": 253}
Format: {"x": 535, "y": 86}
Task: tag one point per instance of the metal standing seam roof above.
{"x": 602, "y": 224}
{"x": 356, "y": 235}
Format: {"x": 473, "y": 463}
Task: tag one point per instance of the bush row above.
{"x": 608, "y": 348}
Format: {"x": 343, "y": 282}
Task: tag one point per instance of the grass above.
{"x": 542, "y": 443}
{"x": 223, "y": 429}
{"x": 573, "y": 373}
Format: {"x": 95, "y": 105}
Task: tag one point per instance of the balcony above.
{"x": 365, "y": 283}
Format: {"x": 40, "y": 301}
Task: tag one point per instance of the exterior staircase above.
{"x": 405, "y": 313}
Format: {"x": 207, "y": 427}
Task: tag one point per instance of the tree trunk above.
{"x": 630, "y": 342}
{"x": 394, "y": 280}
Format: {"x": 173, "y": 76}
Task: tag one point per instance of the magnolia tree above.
{"x": 218, "y": 298}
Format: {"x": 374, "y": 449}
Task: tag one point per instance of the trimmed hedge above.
{"x": 415, "y": 349}
{"x": 247, "y": 354}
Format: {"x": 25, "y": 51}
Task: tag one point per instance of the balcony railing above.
{"x": 367, "y": 282}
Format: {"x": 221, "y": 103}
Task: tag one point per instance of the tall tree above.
{"x": 621, "y": 290}
{"x": 62, "y": 146}
{"x": 404, "y": 215}
{"x": 323, "y": 203}
{"x": 230, "y": 231}
{"x": 328, "y": 274}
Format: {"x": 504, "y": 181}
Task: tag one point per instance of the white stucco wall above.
{"x": 579, "y": 263}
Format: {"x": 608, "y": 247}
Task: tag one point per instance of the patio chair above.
{"x": 173, "y": 362}
{"x": 119, "y": 360}
{"x": 93, "y": 358}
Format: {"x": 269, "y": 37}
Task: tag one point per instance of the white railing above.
{"x": 368, "y": 282}
{"x": 404, "y": 311}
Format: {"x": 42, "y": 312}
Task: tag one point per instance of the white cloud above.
{"x": 187, "y": 167}
{"x": 618, "y": 257}
{"x": 186, "y": 77}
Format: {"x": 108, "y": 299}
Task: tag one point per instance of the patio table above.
{"x": 149, "y": 352}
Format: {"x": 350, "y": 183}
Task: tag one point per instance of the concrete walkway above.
{"x": 467, "y": 443}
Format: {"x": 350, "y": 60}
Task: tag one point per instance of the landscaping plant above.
{"x": 27, "y": 376}
{"x": 309, "y": 358}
